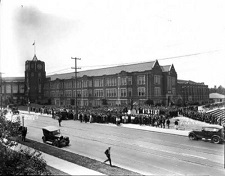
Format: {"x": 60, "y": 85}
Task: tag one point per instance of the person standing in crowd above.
{"x": 176, "y": 124}
{"x": 53, "y": 113}
{"x": 107, "y": 153}
{"x": 168, "y": 123}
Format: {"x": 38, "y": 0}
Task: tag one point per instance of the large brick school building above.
{"x": 119, "y": 85}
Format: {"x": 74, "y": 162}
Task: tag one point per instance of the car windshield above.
{"x": 56, "y": 132}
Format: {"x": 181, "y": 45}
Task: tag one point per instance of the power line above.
{"x": 166, "y": 58}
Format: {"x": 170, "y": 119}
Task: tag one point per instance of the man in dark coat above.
{"x": 168, "y": 123}
{"x": 107, "y": 153}
{"x": 24, "y": 133}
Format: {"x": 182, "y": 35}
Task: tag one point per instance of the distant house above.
{"x": 216, "y": 97}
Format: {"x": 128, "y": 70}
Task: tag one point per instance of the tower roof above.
{"x": 35, "y": 58}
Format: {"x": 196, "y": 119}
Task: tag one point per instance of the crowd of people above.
{"x": 153, "y": 116}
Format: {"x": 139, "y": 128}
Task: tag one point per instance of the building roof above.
{"x": 216, "y": 95}
{"x": 13, "y": 79}
{"x": 139, "y": 67}
{"x": 188, "y": 82}
{"x": 166, "y": 68}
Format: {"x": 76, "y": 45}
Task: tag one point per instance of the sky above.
{"x": 190, "y": 34}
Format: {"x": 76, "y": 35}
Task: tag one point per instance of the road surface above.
{"x": 145, "y": 152}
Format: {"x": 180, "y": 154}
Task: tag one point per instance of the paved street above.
{"x": 141, "y": 151}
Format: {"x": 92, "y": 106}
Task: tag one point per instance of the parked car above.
{"x": 52, "y": 134}
{"x": 212, "y": 133}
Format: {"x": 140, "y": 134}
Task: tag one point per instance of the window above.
{"x": 84, "y": 93}
{"x": 123, "y": 81}
{"x": 141, "y": 80}
{"x": 52, "y": 93}
{"x": 21, "y": 88}
{"x": 32, "y": 74}
{"x": 8, "y": 88}
{"x": 85, "y": 83}
{"x": 98, "y": 93}
{"x": 174, "y": 91}
{"x": 14, "y": 89}
{"x": 157, "y": 79}
{"x": 90, "y": 93}
{"x": 61, "y": 93}
{"x": 78, "y": 84}
{"x": 98, "y": 83}
{"x": 129, "y": 92}
{"x": 57, "y": 93}
{"x": 68, "y": 93}
{"x": 129, "y": 80}
{"x": 89, "y": 83}
{"x": 51, "y": 85}
{"x": 141, "y": 91}
{"x": 78, "y": 93}
{"x": 39, "y": 74}
{"x": 111, "y": 93}
{"x": 111, "y": 82}
{"x": 123, "y": 92}
{"x": 169, "y": 83}
{"x": 173, "y": 81}
{"x": 157, "y": 91}
{"x": 39, "y": 88}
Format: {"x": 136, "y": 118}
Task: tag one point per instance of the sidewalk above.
{"x": 159, "y": 130}
{"x": 62, "y": 165}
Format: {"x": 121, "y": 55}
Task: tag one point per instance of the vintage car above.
{"x": 213, "y": 133}
{"x": 52, "y": 135}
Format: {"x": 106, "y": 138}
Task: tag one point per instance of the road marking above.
{"x": 185, "y": 154}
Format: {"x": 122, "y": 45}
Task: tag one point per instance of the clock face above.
{"x": 39, "y": 66}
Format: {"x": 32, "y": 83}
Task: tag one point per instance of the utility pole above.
{"x": 75, "y": 72}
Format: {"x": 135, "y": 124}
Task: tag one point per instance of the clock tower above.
{"x": 35, "y": 76}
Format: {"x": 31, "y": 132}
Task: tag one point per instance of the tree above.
{"x": 13, "y": 162}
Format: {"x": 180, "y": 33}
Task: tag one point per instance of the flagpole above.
{"x": 34, "y": 48}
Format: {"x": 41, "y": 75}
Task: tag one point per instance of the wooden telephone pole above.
{"x": 75, "y": 72}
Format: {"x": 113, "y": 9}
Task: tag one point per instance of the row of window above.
{"x": 13, "y": 88}
{"x": 120, "y": 81}
{"x": 122, "y": 92}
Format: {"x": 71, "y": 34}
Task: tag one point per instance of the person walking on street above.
{"x": 60, "y": 120}
{"x": 107, "y": 153}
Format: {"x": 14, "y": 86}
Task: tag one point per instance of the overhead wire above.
{"x": 110, "y": 65}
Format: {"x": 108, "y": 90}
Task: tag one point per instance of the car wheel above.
{"x": 55, "y": 143}
{"x": 216, "y": 139}
{"x": 44, "y": 139}
{"x": 192, "y": 137}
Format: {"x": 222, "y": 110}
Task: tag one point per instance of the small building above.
{"x": 217, "y": 98}
{"x": 12, "y": 90}
{"x": 190, "y": 92}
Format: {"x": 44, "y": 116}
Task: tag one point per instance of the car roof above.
{"x": 51, "y": 128}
